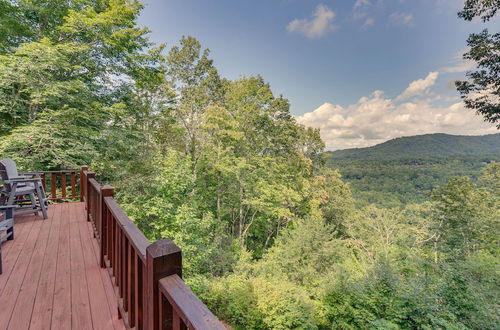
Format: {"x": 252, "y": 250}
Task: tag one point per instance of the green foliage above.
{"x": 481, "y": 90}
{"x": 61, "y": 139}
{"x": 471, "y": 290}
{"x": 71, "y": 79}
{"x": 383, "y": 298}
{"x": 381, "y": 272}
{"x": 271, "y": 237}
{"x": 466, "y": 218}
{"x": 259, "y": 303}
{"x": 304, "y": 255}
{"x": 40, "y": 77}
{"x": 406, "y": 170}
{"x": 335, "y": 198}
{"x": 486, "y": 9}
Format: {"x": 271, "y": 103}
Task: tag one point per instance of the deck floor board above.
{"x": 52, "y": 278}
{"x": 108, "y": 284}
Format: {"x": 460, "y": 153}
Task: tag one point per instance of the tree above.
{"x": 197, "y": 84}
{"x": 83, "y": 70}
{"x": 336, "y": 202}
{"x": 481, "y": 91}
{"x": 485, "y": 9}
{"x": 464, "y": 218}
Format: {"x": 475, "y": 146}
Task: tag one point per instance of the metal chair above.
{"x": 6, "y": 226}
{"x": 17, "y": 185}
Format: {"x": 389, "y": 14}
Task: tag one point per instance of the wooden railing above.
{"x": 61, "y": 185}
{"x": 147, "y": 276}
{"x": 181, "y": 308}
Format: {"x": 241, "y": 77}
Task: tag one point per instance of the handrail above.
{"x": 180, "y": 307}
{"x": 136, "y": 237}
{"x": 146, "y": 276}
{"x": 59, "y": 171}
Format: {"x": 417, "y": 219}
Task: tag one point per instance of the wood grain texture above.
{"x": 42, "y": 310}
{"x": 52, "y": 278}
{"x": 88, "y": 266}
{"x": 26, "y": 298}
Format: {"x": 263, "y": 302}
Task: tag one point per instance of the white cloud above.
{"x": 401, "y": 19}
{"x": 317, "y": 26}
{"x": 419, "y": 87}
{"x": 375, "y": 119}
{"x": 361, "y": 10}
{"x": 459, "y": 64}
{"x": 361, "y": 3}
{"x": 368, "y": 22}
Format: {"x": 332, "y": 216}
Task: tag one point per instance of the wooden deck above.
{"x": 52, "y": 278}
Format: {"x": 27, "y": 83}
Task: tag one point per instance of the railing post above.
{"x": 106, "y": 191}
{"x": 90, "y": 175}
{"x": 163, "y": 258}
{"x": 83, "y": 182}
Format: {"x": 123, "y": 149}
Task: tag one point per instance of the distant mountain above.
{"x": 428, "y": 145}
{"x": 405, "y": 170}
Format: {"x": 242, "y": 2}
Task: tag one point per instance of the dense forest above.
{"x": 272, "y": 238}
{"x": 406, "y": 170}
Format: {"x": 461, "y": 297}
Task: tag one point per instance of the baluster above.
{"x": 63, "y": 185}
{"x": 106, "y": 191}
{"x": 53, "y": 186}
{"x": 115, "y": 253}
{"x": 73, "y": 185}
{"x": 125, "y": 245}
{"x": 83, "y": 183}
{"x": 139, "y": 292}
{"x": 109, "y": 250}
{"x": 177, "y": 322}
{"x": 88, "y": 190}
{"x": 119, "y": 260}
{"x": 131, "y": 285}
{"x": 165, "y": 312}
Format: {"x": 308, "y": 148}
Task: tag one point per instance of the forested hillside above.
{"x": 406, "y": 170}
{"x": 271, "y": 237}
{"x": 422, "y": 146}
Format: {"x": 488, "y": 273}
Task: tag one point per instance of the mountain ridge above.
{"x": 427, "y": 145}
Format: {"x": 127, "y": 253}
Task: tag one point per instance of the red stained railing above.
{"x": 146, "y": 276}
{"x": 61, "y": 185}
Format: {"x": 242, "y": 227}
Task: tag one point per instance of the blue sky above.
{"x": 329, "y": 57}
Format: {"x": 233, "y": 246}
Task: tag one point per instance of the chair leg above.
{"x": 42, "y": 200}
{"x": 12, "y": 196}
{"x": 33, "y": 204}
{"x": 9, "y": 214}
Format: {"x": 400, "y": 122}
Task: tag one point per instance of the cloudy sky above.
{"x": 363, "y": 71}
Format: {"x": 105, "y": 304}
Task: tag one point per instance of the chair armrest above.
{"x": 20, "y": 177}
{"x": 5, "y": 225}
{"x": 7, "y": 212}
{"x": 30, "y": 174}
{"x": 23, "y": 180}
{"x": 6, "y": 207}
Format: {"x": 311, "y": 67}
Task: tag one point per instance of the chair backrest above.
{"x": 6, "y": 224}
{"x": 5, "y": 215}
{"x": 8, "y": 169}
